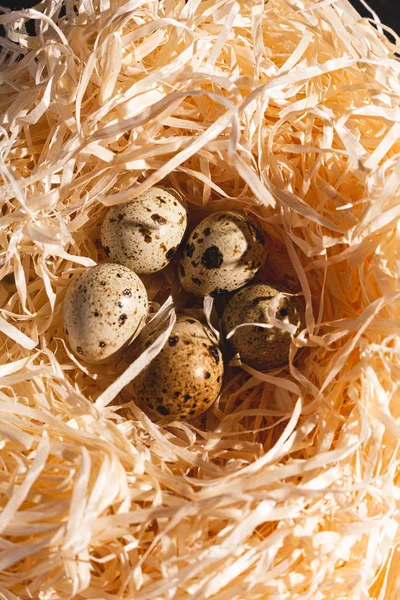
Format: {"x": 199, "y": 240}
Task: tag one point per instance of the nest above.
{"x": 288, "y": 487}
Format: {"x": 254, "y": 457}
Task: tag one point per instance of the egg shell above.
{"x": 144, "y": 234}
{"x": 185, "y": 378}
{"x": 262, "y": 348}
{"x": 103, "y": 309}
{"x": 222, "y": 254}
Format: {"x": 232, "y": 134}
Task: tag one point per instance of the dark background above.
{"x": 387, "y": 10}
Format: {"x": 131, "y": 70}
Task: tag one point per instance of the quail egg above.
{"x": 104, "y": 308}
{"x": 185, "y": 378}
{"x": 144, "y": 234}
{"x": 259, "y": 347}
{"x": 222, "y": 253}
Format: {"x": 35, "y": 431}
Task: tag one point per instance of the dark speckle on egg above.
{"x": 146, "y": 233}
{"x": 190, "y": 248}
{"x": 171, "y": 253}
{"x": 215, "y": 353}
{"x": 212, "y": 258}
{"x": 159, "y": 219}
{"x": 173, "y": 340}
{"x": 163, "y": 410}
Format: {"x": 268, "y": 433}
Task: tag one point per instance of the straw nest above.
{"x": 288, "y": 487}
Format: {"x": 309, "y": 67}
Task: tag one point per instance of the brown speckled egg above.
{"x": 259, "y": 347}
{"x": 145, "y": 234}
{"x": 185, "y": 378}
{"x": 222, "y": 254}
{"x": 103, "y": 309}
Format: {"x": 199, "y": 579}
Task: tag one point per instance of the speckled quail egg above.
{"x": 104, "y": 308}
{"x": 260, "y": 347}
{"x": 185, "y": 378}
{"x": 144, "y": 234}
{"x": 222, "y": 253}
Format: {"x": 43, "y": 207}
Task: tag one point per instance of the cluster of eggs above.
{"x": 106, "y": 307}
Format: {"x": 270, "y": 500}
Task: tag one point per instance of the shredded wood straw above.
{"x": 288, "y": 487}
